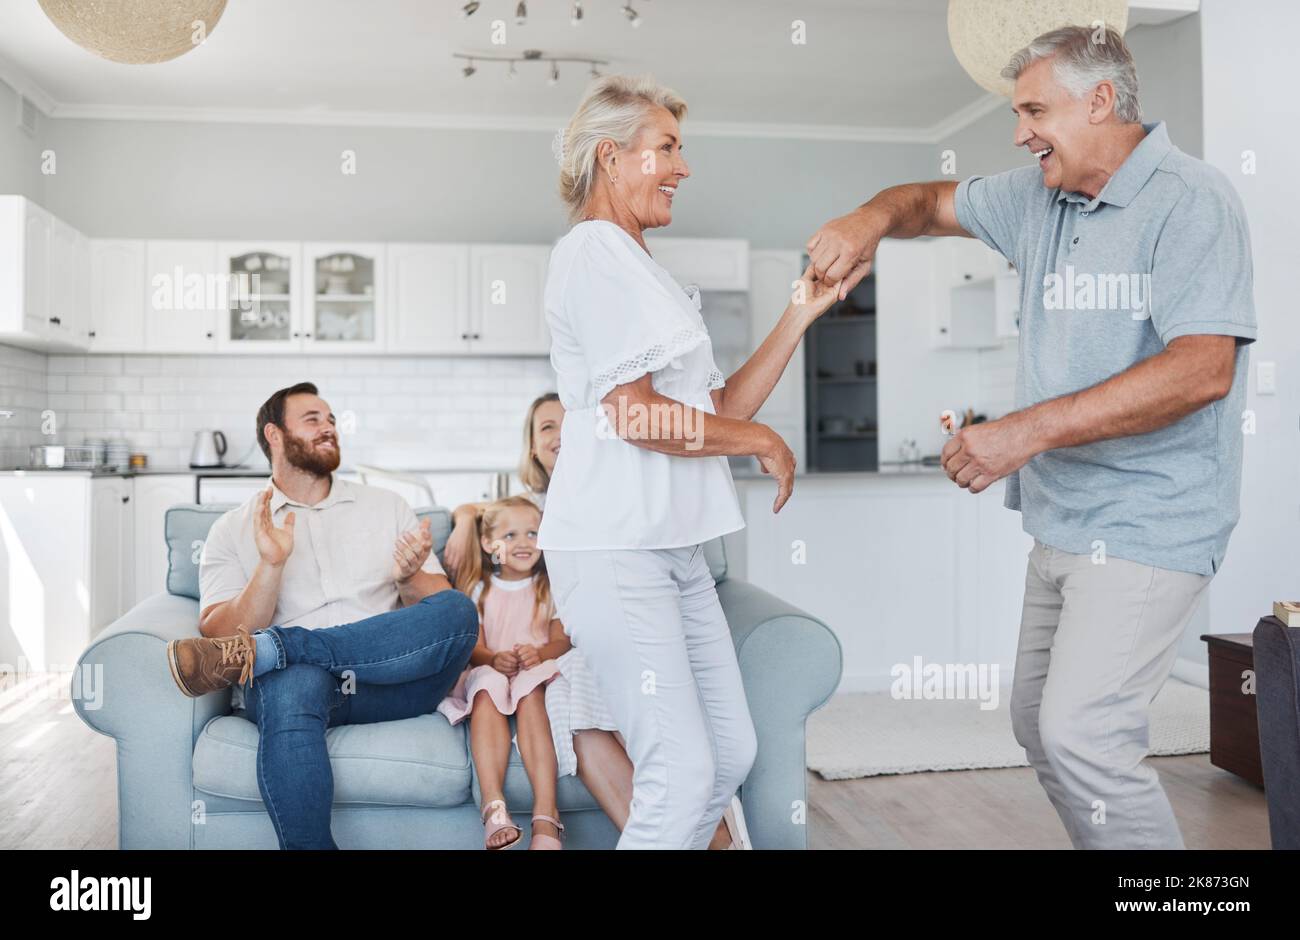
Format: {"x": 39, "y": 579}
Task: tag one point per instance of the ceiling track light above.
{"x": 469, "y": 9}
{"x": 632, "y": 15}
{"x": 521, "y": 13}
{"x": 530, "y": 55}
{"x": 575, "y": 12}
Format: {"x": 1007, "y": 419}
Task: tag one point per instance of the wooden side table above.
{"x": 1234, "y": 729}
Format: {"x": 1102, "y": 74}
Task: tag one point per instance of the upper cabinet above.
{"x": 117, "y": 295}
{"x": 428, "y": 298}
{"x": 262, "y": 312}
{"x": 60, "y": 290}
{"x": 506, "y": 287}
{"x": 343, "y": 296}
{"x": 962, "y": 279}
{"x": 185, "y": 293}
{"x": 708, "y": 263}
{"x": 40, "y": 258}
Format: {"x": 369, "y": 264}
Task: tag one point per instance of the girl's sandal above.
{"x": 541, "y": 841}
{"x": 500, "y": 819}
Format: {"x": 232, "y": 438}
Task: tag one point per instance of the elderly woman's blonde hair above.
{"x": 615, "y": 108}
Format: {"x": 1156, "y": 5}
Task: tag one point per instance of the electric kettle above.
{"x": 209, "y": 448}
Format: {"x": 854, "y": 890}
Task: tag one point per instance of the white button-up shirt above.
{"x": 341, "y": 566}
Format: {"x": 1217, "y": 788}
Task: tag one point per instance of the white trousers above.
{"x": 1097, "y": 641}
{"x": 649, "y": 624}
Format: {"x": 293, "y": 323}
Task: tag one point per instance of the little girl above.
{"x": 518, "y": 642}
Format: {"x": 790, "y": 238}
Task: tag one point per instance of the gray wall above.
{"x": 167, "y": 180}
{"x": 20, "y": 155}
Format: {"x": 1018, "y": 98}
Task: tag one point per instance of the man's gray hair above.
{"x": 1082, "y": 58}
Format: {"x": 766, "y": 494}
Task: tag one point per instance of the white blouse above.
{"x": 614, "y": 316}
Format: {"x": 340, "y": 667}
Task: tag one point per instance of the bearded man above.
{"x": 351, "y": 621}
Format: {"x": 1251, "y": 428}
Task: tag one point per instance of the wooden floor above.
{"x": 58, "y": 789}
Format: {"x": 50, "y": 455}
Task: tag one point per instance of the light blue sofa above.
{"x": 185, "y": 767}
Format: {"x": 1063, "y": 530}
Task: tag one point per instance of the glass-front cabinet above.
{"x": 262, "y": 311}
{"x": 342, "y": 296}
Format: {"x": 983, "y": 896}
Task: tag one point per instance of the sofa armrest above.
{"x": 123, "y": 688}
{"x": 791, "y": 664}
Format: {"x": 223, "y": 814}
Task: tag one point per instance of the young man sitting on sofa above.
{"x": 366, "y": 625}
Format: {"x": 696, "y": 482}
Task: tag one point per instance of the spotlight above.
{"x": 575, "y": 15}
{"x": 468, "y": 9}
{"x": 521, "y": 13}
{"x": 632, "y": 15}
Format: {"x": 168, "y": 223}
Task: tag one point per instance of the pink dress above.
{"x": 507, "y": 619}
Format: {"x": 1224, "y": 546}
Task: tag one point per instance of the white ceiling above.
{"x": 870, "y": 67}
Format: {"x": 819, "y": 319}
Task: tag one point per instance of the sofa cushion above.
{"x": 187, "y": 526}
{"x": 420, "y": 761}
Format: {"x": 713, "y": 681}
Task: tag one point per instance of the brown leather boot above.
{"x": 209, "y": 664}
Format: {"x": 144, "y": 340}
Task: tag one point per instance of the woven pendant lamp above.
{"x": 985, "y": 33}
{"x": 135, "y": 32}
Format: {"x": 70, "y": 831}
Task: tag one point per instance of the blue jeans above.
{"x": 402, "y": 663}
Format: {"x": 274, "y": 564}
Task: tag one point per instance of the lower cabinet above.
{"x": 154, "y": 495}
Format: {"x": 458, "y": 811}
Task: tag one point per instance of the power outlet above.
{"x": 1266, "y": 378}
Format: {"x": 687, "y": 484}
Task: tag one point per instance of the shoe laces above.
{"x": 239, "y": 648}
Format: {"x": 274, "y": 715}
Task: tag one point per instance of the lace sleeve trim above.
{"x": 650, "y": 359}
{"x": 716, "y": 379}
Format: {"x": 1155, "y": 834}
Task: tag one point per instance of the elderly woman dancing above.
{"x": 642, "y": 480}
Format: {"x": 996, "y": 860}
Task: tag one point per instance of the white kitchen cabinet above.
{"x": 66, "y": 320}
{"x": 343, "y": 297}
{"x": 772, "y": 276}
{"x": 264, "y": 314}
{"x": 24, "y": 271}
{"x": 154, "y": 495}
{"x": 49, "y": 590}
{"x": 428, "y": 298}
{"x": 1006, "y": 303}
{"x": 186, "y": 290}
{"x": 117, "y": 295}
{"x": 709, "y": 263}
{"x": 36, "y": 270}
{"x": 112, "y": 548}
{"x": 506, "y": 312}
{"x": 962, "y": 273}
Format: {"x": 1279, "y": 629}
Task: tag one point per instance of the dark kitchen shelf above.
{"x": 846, "y": 379}
{"x": 852, "y": 436}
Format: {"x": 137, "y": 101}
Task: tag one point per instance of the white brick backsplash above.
{"x": 411, "y": 412}
{"x": 85, "y": 383}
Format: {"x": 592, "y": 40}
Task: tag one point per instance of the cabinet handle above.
{"x": 126, "y": 499}
{"x": 55, "y": 320}
{"x": 91, "y": 334}
{"x": 209, "y": 334}
{"x": 967, "y": 276}
{"x": 477, "y": 336}
{"x": 308, "y": 335}
{"x": 943, "y": 329}
{"x": 297, "y": 335}
{"x": 464, "y": 336}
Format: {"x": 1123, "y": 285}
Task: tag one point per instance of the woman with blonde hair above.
{"x": 633, "y": 500}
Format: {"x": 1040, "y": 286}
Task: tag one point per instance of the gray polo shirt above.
{"x": 1163, "y": 251}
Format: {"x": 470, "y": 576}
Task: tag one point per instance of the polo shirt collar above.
{"x": 1133, "y": 173}
{"x": 341, "y": 491}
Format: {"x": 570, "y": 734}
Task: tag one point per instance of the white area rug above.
{"x": 868, "y": 734}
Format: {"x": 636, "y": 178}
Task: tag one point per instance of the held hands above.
{"x": 812, "y": 297}
{"x": 981, "y": 454}
{"x": 411, "y": 552}
{"x": 273, "y": 545}
{"x": 841, "y": 251}
{"x": 778, "y": 460}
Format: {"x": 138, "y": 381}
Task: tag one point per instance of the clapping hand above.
{"x": 411, "y": 552}
{"x": 273, "y": 545}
